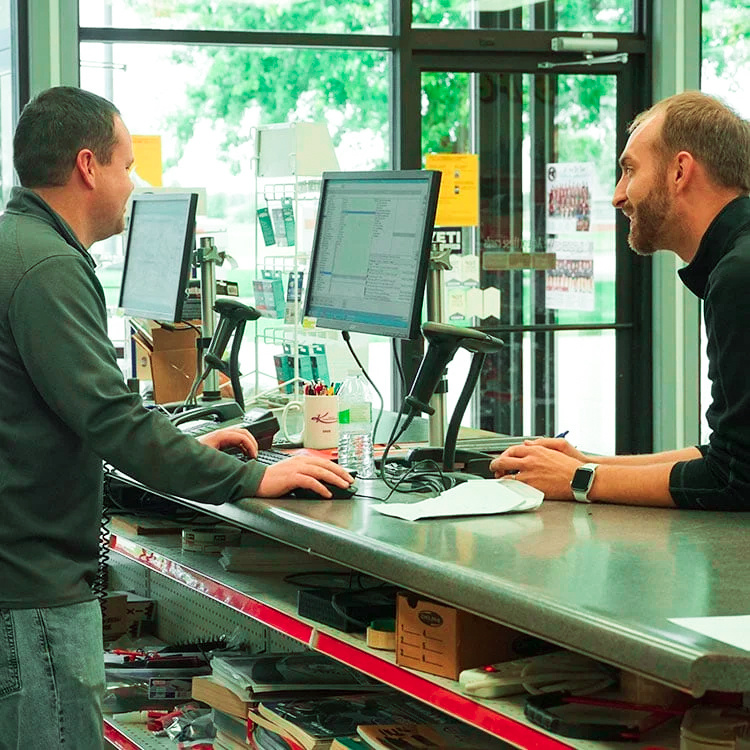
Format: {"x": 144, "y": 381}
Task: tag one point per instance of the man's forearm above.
{"x": 647, "y": 459}
{"x": 634, "y": 485}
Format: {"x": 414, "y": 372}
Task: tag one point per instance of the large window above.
{"x": 206, "y": 101}
{"x": 481, "y": 78}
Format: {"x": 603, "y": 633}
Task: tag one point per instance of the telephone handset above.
{"x": 221, "y": 411}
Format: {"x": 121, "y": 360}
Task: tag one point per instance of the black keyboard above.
{"x": 266, "y": 457}
{"x": 270, "y": 456}
{"x": 199, "y": 427}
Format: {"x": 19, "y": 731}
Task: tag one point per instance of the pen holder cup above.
{"x": 320, "y": 421}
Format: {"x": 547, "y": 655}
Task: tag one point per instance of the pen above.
{"x": 562, "y": 434}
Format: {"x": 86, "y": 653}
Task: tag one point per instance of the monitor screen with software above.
{"x": 371, "y": 251}
{"x": 158, "y": 252}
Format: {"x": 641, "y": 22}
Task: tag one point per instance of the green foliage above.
{"x": 445, "y": 112}
{"x": 594, "y": 15}
{"x": 586, "y": 123}
{"x": 237, "y": 87}
{"x": 346, "y": 88}
{"x": 725, "y": 38}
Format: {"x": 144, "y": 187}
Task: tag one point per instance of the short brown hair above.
{"x": 713, "y": 133}
{"x": 54, "y": 127}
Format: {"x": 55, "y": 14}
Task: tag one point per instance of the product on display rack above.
{"x": 355, "y": 426}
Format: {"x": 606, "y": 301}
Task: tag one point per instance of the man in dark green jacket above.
{"x": 64, "y": 408}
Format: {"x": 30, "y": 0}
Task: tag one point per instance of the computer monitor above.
{"x": 158, "y": 252}
{"x": 371, "y": 251}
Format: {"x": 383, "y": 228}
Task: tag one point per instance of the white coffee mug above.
{"x": 320, "y": 421}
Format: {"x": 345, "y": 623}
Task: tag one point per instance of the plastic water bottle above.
{"x": 355, "y": 427}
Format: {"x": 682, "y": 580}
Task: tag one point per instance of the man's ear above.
{"x": 684, "y": 170}
{"x": 86, "y": 167}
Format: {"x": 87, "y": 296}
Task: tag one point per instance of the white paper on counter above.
{"x": 731, "y": 629}
{"x": 472, "y": 498}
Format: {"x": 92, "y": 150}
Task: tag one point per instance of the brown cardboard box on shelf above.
{"x": 173, "y": 362}
{"x": 114, "y": 615}
{"x": 168, "y": 359}
{"x": 443, "y": 641}
{"x": 138, "y": 610}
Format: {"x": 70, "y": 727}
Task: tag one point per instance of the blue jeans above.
{"x": 51, "y": 678}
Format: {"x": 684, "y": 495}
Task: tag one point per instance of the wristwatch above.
{"x": 582, "y": 481}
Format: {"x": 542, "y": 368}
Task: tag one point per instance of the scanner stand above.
{"x": 474, "y": 463}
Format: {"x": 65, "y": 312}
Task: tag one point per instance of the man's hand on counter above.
{"x": 543, "y": 466}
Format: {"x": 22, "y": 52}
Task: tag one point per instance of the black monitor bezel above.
{"x": 191, "y": 200}
{"x": 415, "y": 317}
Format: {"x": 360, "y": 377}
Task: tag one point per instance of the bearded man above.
{"x": 684, "y": 187}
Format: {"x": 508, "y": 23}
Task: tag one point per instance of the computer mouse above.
{"x": 339, "y": 493}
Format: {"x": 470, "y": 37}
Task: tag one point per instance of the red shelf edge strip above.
{"x": 119, "y": 740}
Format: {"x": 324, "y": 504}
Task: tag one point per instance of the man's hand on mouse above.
{"x": 303, "y": 470}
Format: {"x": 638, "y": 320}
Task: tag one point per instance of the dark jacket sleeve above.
{"x": 58, "y": 316}
{"x": 703, "y": 484}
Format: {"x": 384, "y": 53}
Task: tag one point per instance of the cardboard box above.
{"x": 137, "y": 610}
{"x": 137, "y": 607}
{"x": 114, "y": 615}
{"x": 443, "y": 640}
{"x": 173, "y": 361}
{"x": 168, "y": 359}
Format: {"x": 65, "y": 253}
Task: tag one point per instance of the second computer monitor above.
{"x": 371, "y": 251}
{"x": 159, "y": 247}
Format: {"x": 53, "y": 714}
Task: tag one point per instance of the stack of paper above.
{"x": 475, "y": 497}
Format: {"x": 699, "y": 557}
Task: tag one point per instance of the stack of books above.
{"x": 386, "y": 721}
{"x": 284, "y": 674}
{"x": 237, "y": 681}
{"x": 307, "y": 701}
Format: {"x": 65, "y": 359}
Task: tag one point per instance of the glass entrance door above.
{"x": 539, "y": 264}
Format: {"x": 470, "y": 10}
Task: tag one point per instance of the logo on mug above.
{"x": 324, "y": 418}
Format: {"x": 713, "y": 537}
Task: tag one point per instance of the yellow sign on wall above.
{"x": 147, "y": 151}
{"x": 458, "y": 203}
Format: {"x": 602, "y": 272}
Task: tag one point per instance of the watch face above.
{"x": 582, "y": 479}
